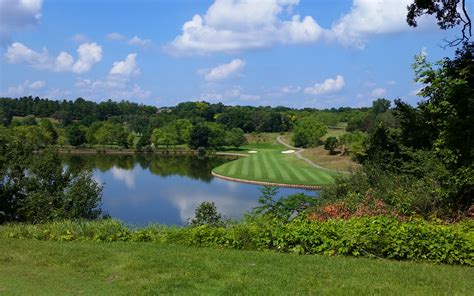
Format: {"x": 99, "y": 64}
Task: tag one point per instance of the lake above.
{"x": 166, "y": 189}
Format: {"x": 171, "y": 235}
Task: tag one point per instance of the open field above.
{"x": 334, "y": 132}
{"x": 274, "y": 166}
{"x": 63, "y": 268}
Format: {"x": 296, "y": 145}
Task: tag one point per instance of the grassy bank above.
{"x": 58, "y": 268}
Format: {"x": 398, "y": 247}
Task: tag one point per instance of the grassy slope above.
{"x": 271, "y": 165}
{"x": 30, "y": 267}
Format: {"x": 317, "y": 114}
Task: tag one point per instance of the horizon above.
{"x": 318, "y": 55}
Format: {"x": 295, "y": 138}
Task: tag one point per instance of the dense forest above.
{"x": 198, "y": 124}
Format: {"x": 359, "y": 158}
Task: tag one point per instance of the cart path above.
{"x": 308, "y": 161}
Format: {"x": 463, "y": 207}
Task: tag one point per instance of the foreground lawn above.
{"x": 270, "y": 165}
{"x": 31, "y": 267}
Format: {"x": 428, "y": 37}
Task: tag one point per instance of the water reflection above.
{"x": 142, "y": 189}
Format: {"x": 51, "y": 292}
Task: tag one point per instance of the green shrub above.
{"x": 378, "y": 237}
{"x": 206, "y": 214}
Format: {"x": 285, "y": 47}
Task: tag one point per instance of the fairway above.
{"x": 275, "y": 167}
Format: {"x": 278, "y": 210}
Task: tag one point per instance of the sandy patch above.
{"x": 252, "y": 151}
{"x": 288, "y": 151}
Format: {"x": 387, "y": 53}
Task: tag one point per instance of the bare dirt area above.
{"x": 322, "y": 157}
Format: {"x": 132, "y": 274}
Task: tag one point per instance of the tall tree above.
{"x": 449, "y": 13}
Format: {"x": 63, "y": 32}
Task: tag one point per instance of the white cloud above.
{"x": 370, "y": 17}
{"x": 234, "y": 95}
{"x": 290, "y": 89}
{"x": 328, "y": 86}
{"x": 117, "y": 85}
{"x": 134, "y": 41}
{"x": 391, "y": 82}
{"x": 88, "y": 55}
{"x": 79, "y": 38}
{"x": 37, "y": 84}
{"x": 378, "y": 92}
{"x": 111, "y": 87}
{"x": 127, "y": 67}
{"x": 26, "y": 88}
{"x": 144, "y": 43}
{"x": 234, "y": 25}
{"x": 223, "y": 71}
{"x": 16, "y": 15}
{"x": 115, "y": 37}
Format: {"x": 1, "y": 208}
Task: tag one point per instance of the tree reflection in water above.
{"x": 146, "y": 188}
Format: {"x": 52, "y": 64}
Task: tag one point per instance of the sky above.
{"x": 295, "y": 53}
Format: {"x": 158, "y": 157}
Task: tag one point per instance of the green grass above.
{"x": 270, "y": 165}
{"x": 31, "y": 267}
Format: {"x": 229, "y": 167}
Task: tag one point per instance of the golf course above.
{"x": 276, "y": 164}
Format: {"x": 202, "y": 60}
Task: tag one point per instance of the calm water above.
{"x": 143, "y": 189}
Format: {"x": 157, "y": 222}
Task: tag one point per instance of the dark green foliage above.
{"x": 38, "y": 189}
{"x": 380, "y": 106}
{"x": 308, "y": 131}
{"x": 49, "y": 128}
{"x": 448, "y": 13}
{"x": 433, "y": 142}
{"x": 375, "y": 237}
{"x": 75, "y": 135}
{"x": 199, "y": 136}
{"x": 235, "y": 137}
{"x": 415, "y": 192}
{"x": 282, "y": 208}
{"x": 201, "y": 151}
{"x": 330, "y": 144}
{"x": 206, "y": 214}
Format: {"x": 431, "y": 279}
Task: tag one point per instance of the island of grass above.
{"x": 270, "y": 165}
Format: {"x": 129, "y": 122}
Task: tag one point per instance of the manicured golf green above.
{"x": 269, "y": 165}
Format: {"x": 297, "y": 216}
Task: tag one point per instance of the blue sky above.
{"x": 306, "y": 53}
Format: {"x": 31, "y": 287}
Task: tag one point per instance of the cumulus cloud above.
{"x": 223, "y": 71}
{"x": 88, "y": 55}
{"x": 378, "y": 92}
{"x": 111, "y": 87}
{"x": 233, "y": 95}
{"x": 118, "y": 84}
{"x": 26, "y": 88}
{"x": 144, "y": 43}
{"x": 370, "y": 17}
{"x": 329, "y": 85}
{"x": 115, "y": 37}
{"x": 127, "y": 67}
{"x": 134, "y": 41}
{"x": 16, "y": 15}
{"x": 234, "y": 25}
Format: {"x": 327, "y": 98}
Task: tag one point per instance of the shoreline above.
{"x": 131, "y": 152}
{"x": 253, "y": 182}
